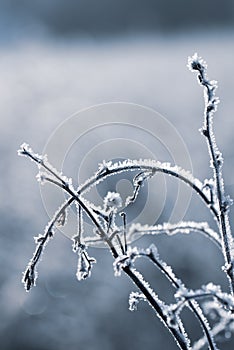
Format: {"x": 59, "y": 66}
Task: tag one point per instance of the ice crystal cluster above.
{"x": 207, "y": 300}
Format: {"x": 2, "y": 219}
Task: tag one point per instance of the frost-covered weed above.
{"x": 204, "y": 302}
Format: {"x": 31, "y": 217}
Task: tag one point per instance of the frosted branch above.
{"x": 184, "y": 227}
{"x": 30, "y": 274}
{"x": 149, "y": 167}
{"x": 197, "y": 64}
{"x": 222, "y": 328}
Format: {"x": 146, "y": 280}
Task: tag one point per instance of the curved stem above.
{"x": 135, "y": 277}
{"x": 177, "y": 335}
{"x": 94, "y": 180}
{"x": 192, "y": 304}
{"x": 171, "y": 229}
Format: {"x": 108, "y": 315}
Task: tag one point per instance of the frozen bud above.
{"x": 213, "y": 84}
{"x": 227, "y": 203}
{"x": 208, "y": 183}
{"x": 134, "y": 299}
{"x": 103, "y": 168}
{"x": 84, "y": 265}
{"x": 61, "y": 220}
{"x": 196, "y": 63}
{"x": 219, "y": 158}
{"x": 152, "y": 250}
{"x": 29, "y": 278}
{"x": 40, "y": 238}
{"x": 172, "y": 320}
{"x": 227, "y": 267}
{"x": 119, "y": 263}
{"x": 211, "y": 288}
{"x": 171, "y": 312}
{"x": 112, "y": 200}
{"x": 26, "y": 151}
{"x": 211, "y": 107}
{"x": 41, "y": 177}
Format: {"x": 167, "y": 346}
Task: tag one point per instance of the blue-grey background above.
{"x": 57, "y": 57}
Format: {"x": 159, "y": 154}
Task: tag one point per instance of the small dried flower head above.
{"x": 112, "y": 200}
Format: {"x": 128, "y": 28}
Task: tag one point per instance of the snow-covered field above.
{"x": 42, "y": 83}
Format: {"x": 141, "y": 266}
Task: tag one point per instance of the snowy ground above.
{"x": 43, "y": 83}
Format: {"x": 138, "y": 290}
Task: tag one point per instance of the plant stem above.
{"x": 177, "y": 335}
{"x": 192, "y": 303}
{"x": 175, "y": 332}
{"x": 94, "y": 180}
{"x": 216, "y": 165}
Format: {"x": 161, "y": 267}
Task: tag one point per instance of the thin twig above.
{"x": 211, "y": 101}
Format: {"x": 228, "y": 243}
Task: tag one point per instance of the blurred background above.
{"x": 59, "y": 57}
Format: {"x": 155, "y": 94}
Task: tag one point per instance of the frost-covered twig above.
{"x": 224, "y": 325}
{"x": 158, "y": 306}
{"x": 185, "y": 227}
{"x": 196, "y": 63}
{"x": 150, "y": 167}
{"x": 172, "y": 315}
{"x": 85, "y": 262}
{"x": 210, "y": 290}
{"x": 118, "y": 237}
{"x": 30, "y": 274}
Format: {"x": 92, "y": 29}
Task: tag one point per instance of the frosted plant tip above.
{"x": 24, "y": 150}
{"x": 113, "y": 199}
{"x": 196, "y": 63}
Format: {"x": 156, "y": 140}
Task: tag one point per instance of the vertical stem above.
{"x": 196, "y": 63}
{"x": 223, "y": 215}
